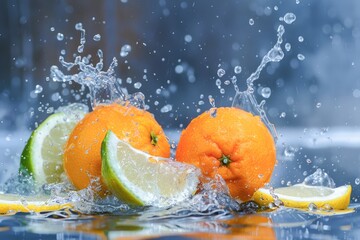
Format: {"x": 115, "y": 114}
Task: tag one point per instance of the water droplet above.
{"x": 55, "y": 97}
{"x": 327, "y": 208}
{"x": 288, "y": 46}
{"x": 78, "y": 26}
{"x": 312, "y": 207}
{"x": 301, "y": 38}
{"x": 128, "y": 80}
{"x": 227, "y": 82}
{"x": 221, "y": 72}
{"x": 297, "y": 1}
{"x": 179, "y": 69}
{"x": 188, "y": 38}
{"x": 137, "y": 85}
{"x": 218, "y": 82}
{"x": 318, "y": 105}
{"x": 237, "y": 69}
{"x": 266, "y": 92}
{"x": 308, "y": 160}
{"x": 276, "y": 8}
{"x": 213, "y": 112}
{"x": 251, "y": 21}
{"x": 97, "y": 37}
{"x": 38, "y": 89}
{"x": 289, "y": 18}
{"x": 52, "y": 29}
{"x": 357, "y": 181}
{"x": 166, "y": 108}
{"x": 125, "y": 50}
{"x": 50, "y": 110}
{"x": 60, "y": 36}
{"x": 233, "y": 80}
{"x": 290, "y": 151}
{"x": 211, "y": 101}
{"x": 301, "y": 57}
{"x": 282, "y": 115}
{"x": 222, "y": 90}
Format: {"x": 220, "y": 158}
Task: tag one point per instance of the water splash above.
{"x": 80, "y": 28}
{"x": 103, "y": 85}
{"x": 213, "y": 110}
{"x": 246, "y": 99}
{"x": 212, "y": 199}
{"x": 319, "y": 178}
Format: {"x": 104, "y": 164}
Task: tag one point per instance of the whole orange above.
{"x": 234, "y": 144}
{"x": 82, "y": 155}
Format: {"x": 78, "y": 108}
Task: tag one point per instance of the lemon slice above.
{"x": 42, "y": 156}
{"x": 301, "y": 195}
{"x": 13, "y": 203}
{"x": 138, "y": 178}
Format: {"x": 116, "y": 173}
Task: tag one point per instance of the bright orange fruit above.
{"x": 234, "y": 144}
{"x": 82, "y": 156}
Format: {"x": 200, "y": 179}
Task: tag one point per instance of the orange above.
{"x": 243, "y": 227}
{"x": 82, "y": 155}
{"x": 234, "y": 144}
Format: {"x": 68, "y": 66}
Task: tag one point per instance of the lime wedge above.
{"x": 42, "y": 156}
{"x": 139, "y": 179}
{"x": 301, "y": 196}
{"x": 13, "y": 203}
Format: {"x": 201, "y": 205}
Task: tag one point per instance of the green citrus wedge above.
{"x": 13, "y": 203}
{"x": 42, "y": 156}
{"x": 301, "y": 196}
{"x": 139, "y": 179}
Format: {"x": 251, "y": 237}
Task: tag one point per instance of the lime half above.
{"x": 42, "y": 156}
{"x": 139, "y": 179}
{"x": 301, "y": 196}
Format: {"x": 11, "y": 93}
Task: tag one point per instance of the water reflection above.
{"x": 277, "y": 224}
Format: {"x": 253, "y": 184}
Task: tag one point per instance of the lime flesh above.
{"x": 42, "y": 157}
{"x": 138, "y": 178}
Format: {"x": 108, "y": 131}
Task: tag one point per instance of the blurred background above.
{"x": 177, "y": 49}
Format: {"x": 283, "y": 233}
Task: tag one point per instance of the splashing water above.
{"x": 246, "y": 99}
{"x": 103, "y": 85}
{"x": 319, "y": 178}
{"x": 105, "y": 88}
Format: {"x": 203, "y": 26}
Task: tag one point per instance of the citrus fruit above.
{"x": 13, "y": 203}
{"x": 138, "y": 178}
{"x": 42, "y": 156}
{"x": 82, "y": 156}
{"x": 232, "y": 143}
{"x": 301, "y": 195}
{"x": 252, "y": 226}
